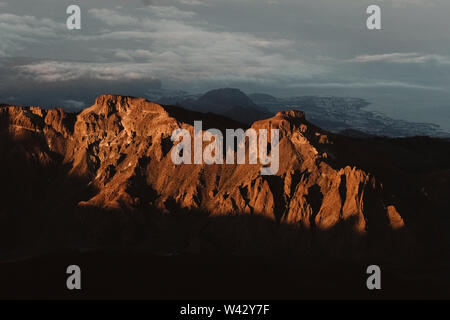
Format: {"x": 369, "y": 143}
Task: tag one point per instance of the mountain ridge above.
{"x": 336, "y": 114}
{"x": 119, "y": 152}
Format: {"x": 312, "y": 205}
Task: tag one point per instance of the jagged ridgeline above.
{"x": 105, "y": 177}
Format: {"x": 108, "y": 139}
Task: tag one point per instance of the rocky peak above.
{"x": 108, "y": 105}
{"x": 292, "y": 115}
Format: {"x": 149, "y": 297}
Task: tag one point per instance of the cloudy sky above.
{"x": 281, "y": 47}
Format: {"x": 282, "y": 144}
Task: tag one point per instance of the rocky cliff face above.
{"x": 119, "y": 153}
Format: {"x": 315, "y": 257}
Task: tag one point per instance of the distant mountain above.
{"x": 336, "y": 114}
{"x": 229, "y": 102}
{"x": 223, "y": 99}
{"x": 262, "y": 97}
{"x": 339, "y": 114}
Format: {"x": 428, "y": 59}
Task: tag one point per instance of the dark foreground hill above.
{"x": 133, "y": 275}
